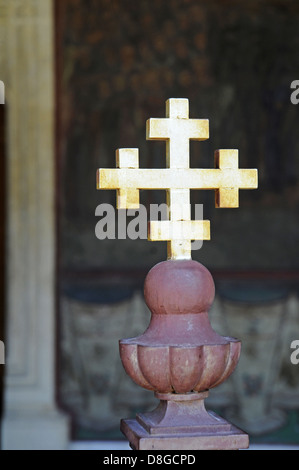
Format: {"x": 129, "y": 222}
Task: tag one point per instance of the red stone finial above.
{"x": 180, "y": 357}
{"x": 176, "y": 352}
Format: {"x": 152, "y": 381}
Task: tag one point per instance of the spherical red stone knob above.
{"x": 179, "y": 287}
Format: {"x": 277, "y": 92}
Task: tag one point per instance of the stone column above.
{"x": 31, "y": 419}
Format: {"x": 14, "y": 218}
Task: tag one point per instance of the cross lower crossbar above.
{"x": 175, "y": 178}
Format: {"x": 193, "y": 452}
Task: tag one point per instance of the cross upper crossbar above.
{"x": 177, "y": 178}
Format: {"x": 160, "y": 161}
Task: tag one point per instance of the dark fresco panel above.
{"x": 120, "y": 61}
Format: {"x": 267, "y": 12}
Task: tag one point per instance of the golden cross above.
{"x": 177, "y": 178}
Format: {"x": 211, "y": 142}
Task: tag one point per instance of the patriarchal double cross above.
{"x": 177, "y": 178}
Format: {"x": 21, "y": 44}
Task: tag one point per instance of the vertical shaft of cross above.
{"x": 177, "y": 129}
{"x": 178, "y": 201}
{"x": 177, "y": 156}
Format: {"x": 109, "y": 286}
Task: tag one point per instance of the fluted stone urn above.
{"x": 180, "y": 357}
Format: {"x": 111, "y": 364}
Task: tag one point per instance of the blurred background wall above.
{"x": 118, "y": 62}
{"x": 84, "y": 75}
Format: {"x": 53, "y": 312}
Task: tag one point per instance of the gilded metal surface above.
{"x": 177, "y": 178}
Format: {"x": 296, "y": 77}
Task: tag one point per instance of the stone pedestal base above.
{"x": 181, "y": 422}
